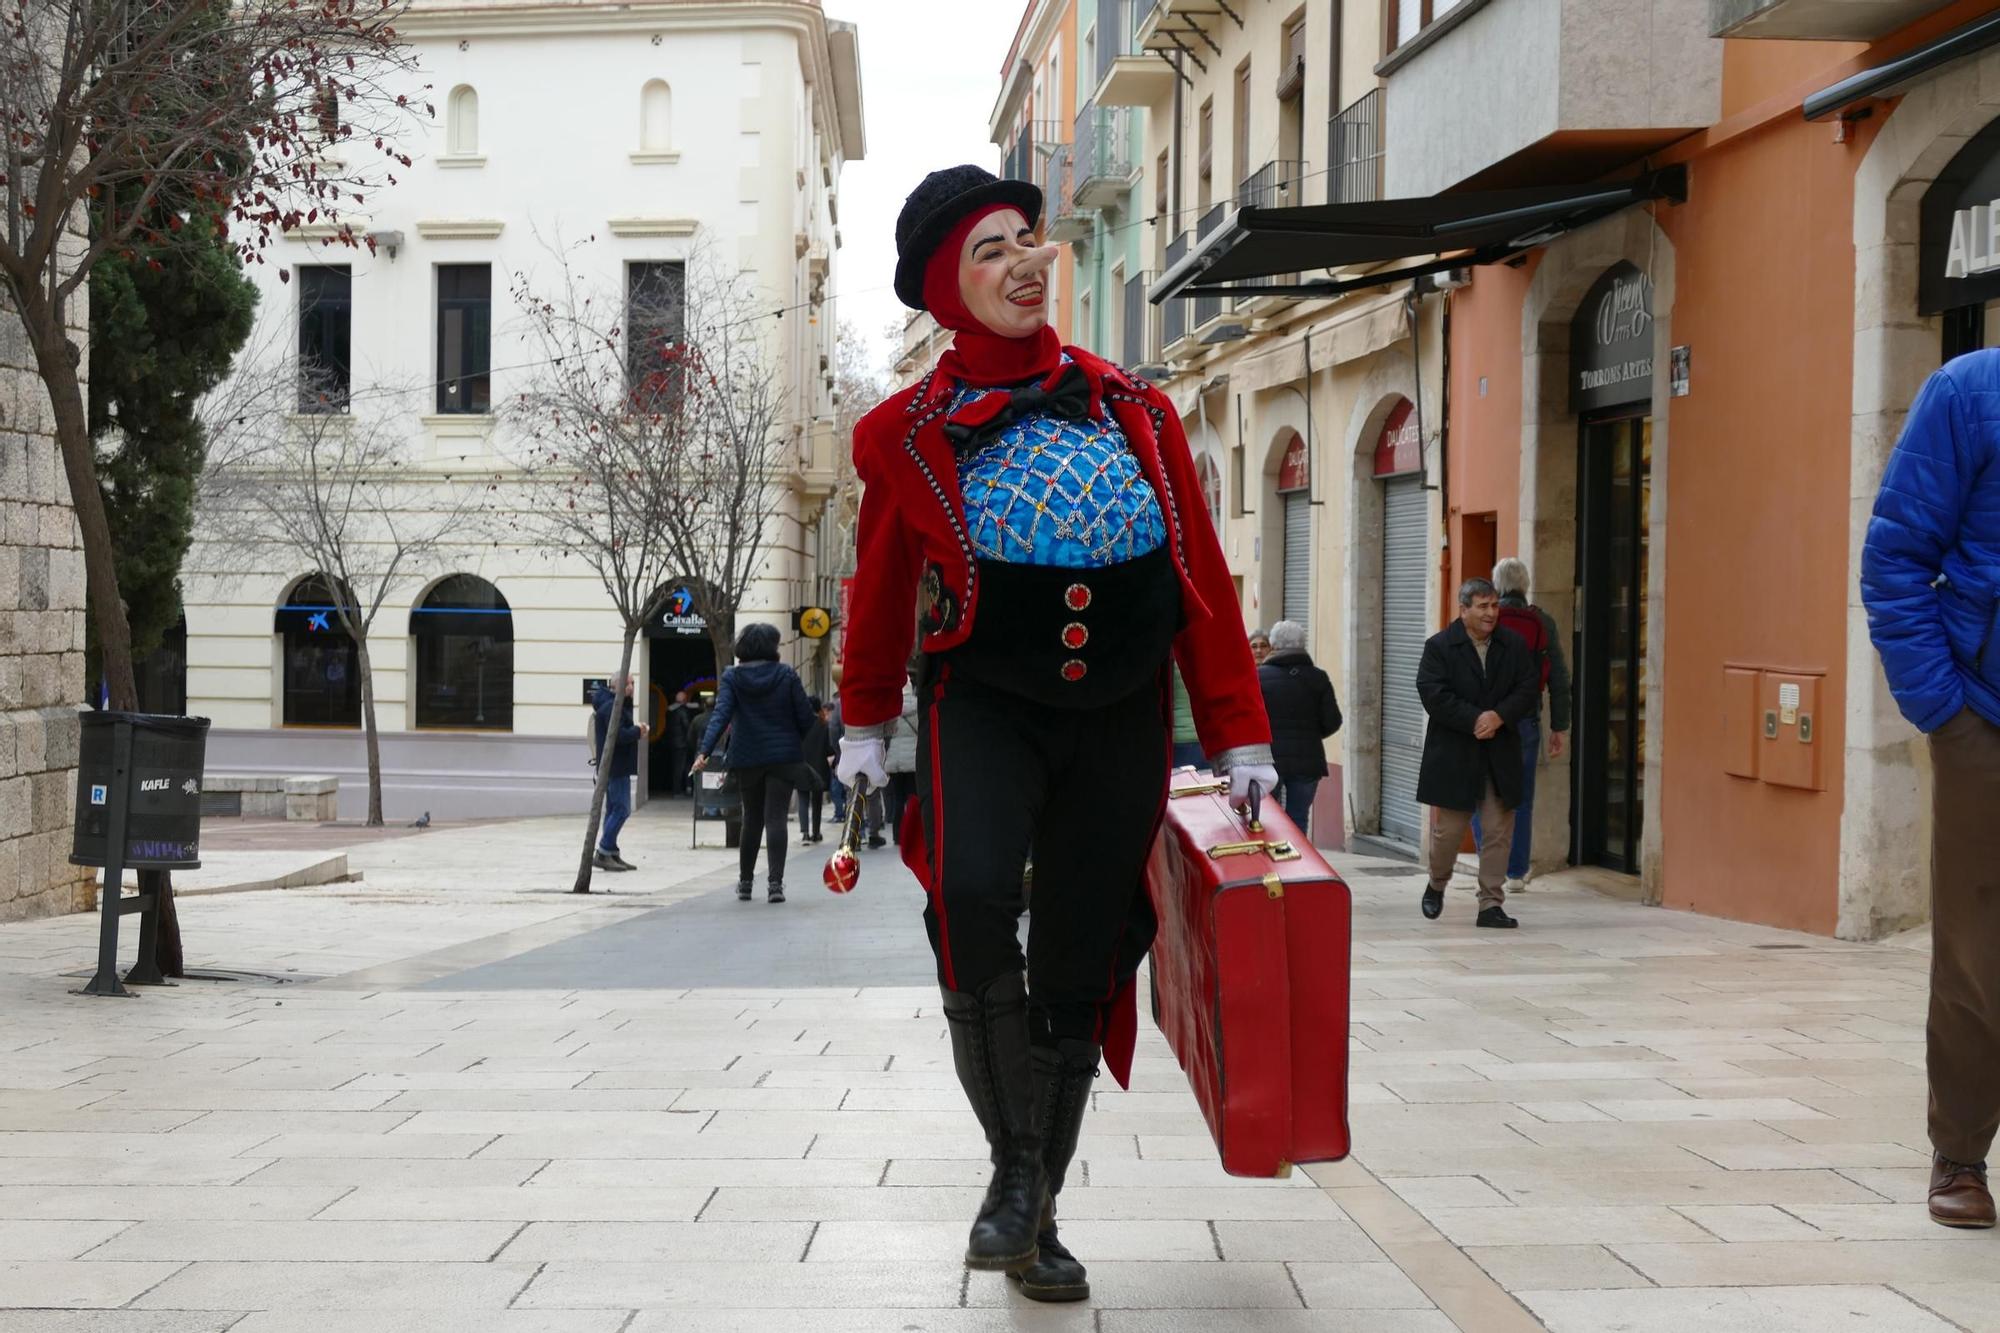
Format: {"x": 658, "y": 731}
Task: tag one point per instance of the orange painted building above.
{"x": 1678, "y": 415}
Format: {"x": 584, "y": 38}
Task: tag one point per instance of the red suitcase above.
{"x": 1250, "y": 977}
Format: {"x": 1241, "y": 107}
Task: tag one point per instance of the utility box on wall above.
{"x": 1771, "y": 727}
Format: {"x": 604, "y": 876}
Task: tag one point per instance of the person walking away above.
{"x": 1300, "y": 701}
{"x": 835, "y": 786}
{"x": 762, "y": 704}
{"x": 1537, "y": 629}
{"x": 1930, "y": 581}
{"x": 1187, "y": 742}
{"x": 678, "y": 725}
{"x": 820, "y": 752}
{"x": 624, "y": 767}
{"x": 902, "y": 762}
{"x": 1477, "y": 682}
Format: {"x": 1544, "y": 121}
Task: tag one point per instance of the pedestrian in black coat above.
{"x": 820, "y": 752}
{"x": 1477, "y": 682}
{"x": 1299, "y": 698}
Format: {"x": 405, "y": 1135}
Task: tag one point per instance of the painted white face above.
{"x": 1003, "y": 275}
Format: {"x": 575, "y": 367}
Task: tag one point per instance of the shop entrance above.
{"x": 1614, "y": 472}
{"x": 679, "y": 657}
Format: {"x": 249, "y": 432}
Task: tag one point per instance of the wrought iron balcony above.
{"x": 1128, "y": 74}
{"x": 1273, "y": 185}
{"x": 1143, "y": 352}
{"x": 1208, "y": 307}
{"x": 1354, "y": 151}
{"x": 1174, "y": 310}
{"x": 1067, "y": 220}
{"x": 1104, "y": 156}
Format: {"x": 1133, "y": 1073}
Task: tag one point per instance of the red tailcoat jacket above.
{"x": 912, "y": 536}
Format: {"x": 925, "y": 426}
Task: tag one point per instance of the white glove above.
{"x": 863, "y": 759}
{"x": 1242, "y": 775}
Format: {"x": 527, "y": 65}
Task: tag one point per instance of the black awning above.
{"x": 1445, "y": 231}
{"x": 1889, "y": 78}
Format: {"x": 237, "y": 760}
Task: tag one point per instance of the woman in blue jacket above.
{"x": 763, "y": 706}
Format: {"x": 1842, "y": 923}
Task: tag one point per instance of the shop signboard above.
{"x": 678, "y": 617}
{"x": 1399, "y": 448}
{"x": 1611, "y": 342}
{"x": 1958, "y": 229}
{"x": 1295, "y": 467}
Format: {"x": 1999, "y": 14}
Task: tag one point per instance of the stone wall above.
{"x": 41, "y": 644}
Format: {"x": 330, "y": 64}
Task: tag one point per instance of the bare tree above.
{"x": 858, "y": 385}
{"x": 649, "y": 437}
{"x": 253, "y": 116}
{"x": 300, "y": 474}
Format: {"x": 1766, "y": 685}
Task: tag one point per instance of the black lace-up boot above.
{"x": 989, "y": 1045}
{"x": 1063, "y": 1075}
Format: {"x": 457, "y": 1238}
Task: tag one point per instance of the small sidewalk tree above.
{"x": 648, "y": 434}
{"x": 301, "y": 476}
{"x": 134, "y": 106}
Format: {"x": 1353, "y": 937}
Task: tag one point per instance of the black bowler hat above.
{"x": 937, "y": 205}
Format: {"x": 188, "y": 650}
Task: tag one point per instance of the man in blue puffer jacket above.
{"x": 1930, "y": 578}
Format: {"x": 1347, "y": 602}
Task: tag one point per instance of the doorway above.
{"x": 1614, "y": 472}
{"x": 674, "y": 662}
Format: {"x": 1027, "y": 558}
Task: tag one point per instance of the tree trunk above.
{"x": 369, "y": 734}
{"x": 607, "y": 744}
{"x": 55, "y": 361}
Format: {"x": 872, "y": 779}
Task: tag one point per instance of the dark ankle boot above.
{"x": 743, "y": 890}
{"x": 989, "y": 1046}
{"x": 1063, "y": 1075}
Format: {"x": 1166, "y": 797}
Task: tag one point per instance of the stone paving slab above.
{"x": 480, "y": 1102}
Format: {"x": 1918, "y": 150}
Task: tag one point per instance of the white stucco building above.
{"x": 648, "y": 130}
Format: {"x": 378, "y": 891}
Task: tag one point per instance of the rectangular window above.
{"x": 1410, "y": 17}
{"x": 1205, "y": 160}
{"x": 326, "y": 333}
{"x": 465, "y": 338}
{"x": 655, "y": 323}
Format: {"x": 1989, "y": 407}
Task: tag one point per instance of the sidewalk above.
{"x": 478, "y": 1102}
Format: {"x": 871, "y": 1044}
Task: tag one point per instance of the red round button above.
{"x": 1076, "y": 597}
{"x": 1073, "y": 670}
{"x": 1074, "y": 636}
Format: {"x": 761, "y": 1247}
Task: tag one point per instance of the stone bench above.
{"x": 308, "y": 798}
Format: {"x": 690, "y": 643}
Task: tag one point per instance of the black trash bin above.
{"x": 163, "y": 810}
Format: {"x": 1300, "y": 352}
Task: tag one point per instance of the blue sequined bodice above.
{"x": 1051, "y": 491}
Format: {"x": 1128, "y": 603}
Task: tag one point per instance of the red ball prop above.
{"x": 843, "y": 871}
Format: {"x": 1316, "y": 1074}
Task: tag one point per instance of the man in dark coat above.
{"x": 680, "y": 745}
{"x": 624, "y": 767}
{"x": 1304, "y": 712}
{"x": 1477, "y": 682}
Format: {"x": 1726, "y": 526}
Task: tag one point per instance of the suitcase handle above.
{"x": 1254, "y": 809}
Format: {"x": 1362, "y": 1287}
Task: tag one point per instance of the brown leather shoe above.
{"x": 1959, "y": 1197}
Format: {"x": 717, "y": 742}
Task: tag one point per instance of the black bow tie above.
{"x": 980, "y": 423}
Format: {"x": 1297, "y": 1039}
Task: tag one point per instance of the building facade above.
{"x": 1696, "y": 394}
{"x": 1312, "y": 428}
{"x": 635, "y": 139}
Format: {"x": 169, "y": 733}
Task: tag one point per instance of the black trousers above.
{"x": 1082, "y": 790}
{"x": 767, "y": 798}
{"x": 811, "y": 803}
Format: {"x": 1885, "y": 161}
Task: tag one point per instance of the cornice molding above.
{"x": 653, "y": 226}
{"x": 459, "y": 229}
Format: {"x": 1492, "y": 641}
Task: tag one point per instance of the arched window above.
{"x": 321, "y": 666}
{"x": 1210, "y": 477}
{"x": 461, "y": 134}
{"x": 656, "y": 107}
{"x": 464, "y": 635}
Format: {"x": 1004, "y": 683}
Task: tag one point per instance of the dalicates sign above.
{"x": 1611, "y": 342}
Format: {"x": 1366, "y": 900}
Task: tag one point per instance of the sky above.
{"x": 927, "y": 88}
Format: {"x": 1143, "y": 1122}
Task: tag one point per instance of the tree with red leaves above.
{"x": 129, "y": 103}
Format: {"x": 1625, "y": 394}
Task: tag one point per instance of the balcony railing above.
{"x": 1273, "y": 185}
{"x": 1208, "y": 307}
{"x": 1068, "y": 220}
{"x": 1142, "y": 350}
{"x": 1104, "y": 156}
{"x": 1174, "y": 325}
{"x": 1354, "y": 152}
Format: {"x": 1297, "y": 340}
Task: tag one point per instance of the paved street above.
{"x": 476, "y": 1102}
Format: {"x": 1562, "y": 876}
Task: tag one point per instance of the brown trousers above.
{"x": 1448, "y": 830}
{"x": 1964, "y": 1032}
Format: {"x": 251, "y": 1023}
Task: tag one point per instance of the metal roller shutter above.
{"x": 1405, "y": 560}
{"x": 1298, "y": 557}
